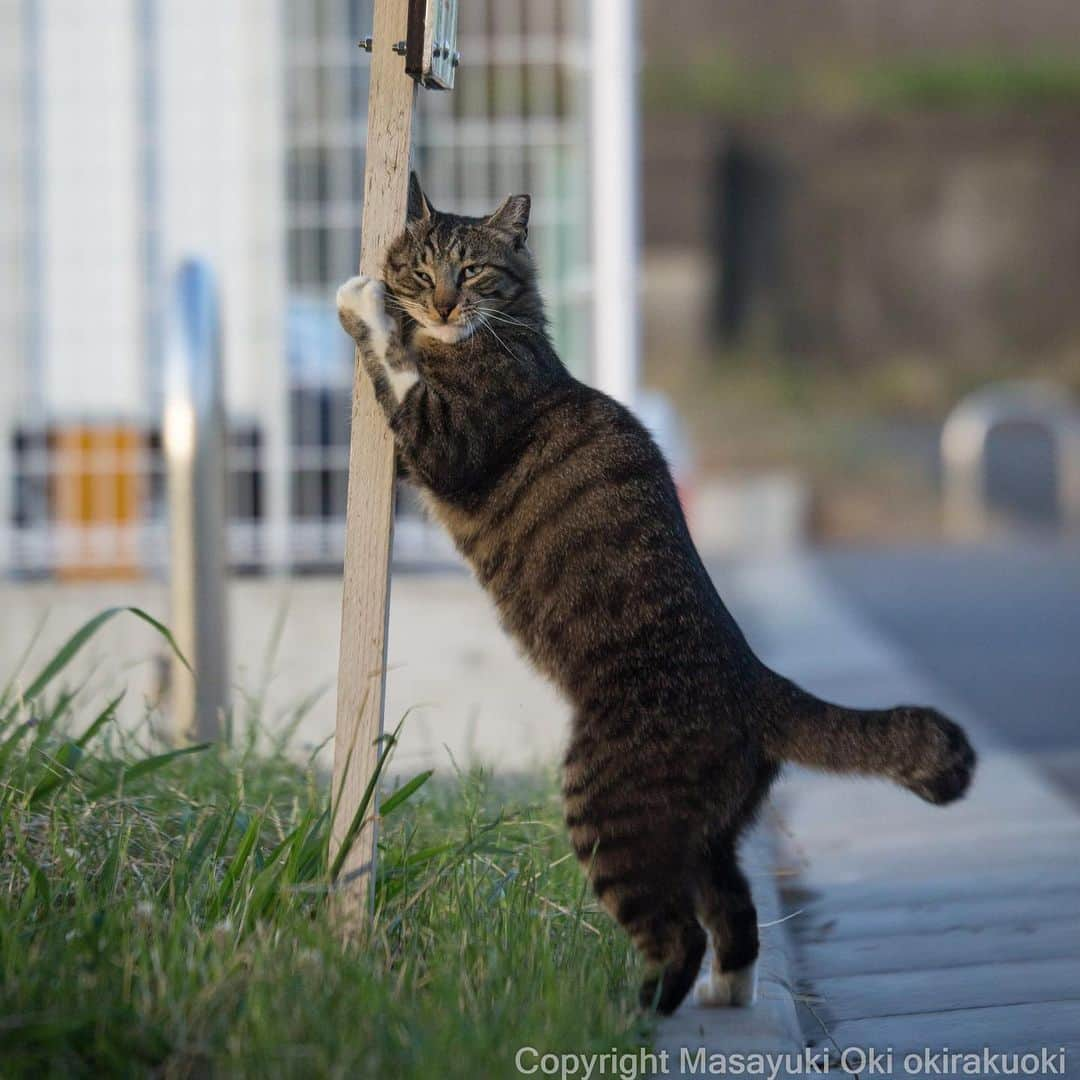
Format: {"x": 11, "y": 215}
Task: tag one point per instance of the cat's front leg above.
{"x": 361, "y": 304}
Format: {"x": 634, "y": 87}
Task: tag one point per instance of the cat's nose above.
{"x": 445, "y": 304}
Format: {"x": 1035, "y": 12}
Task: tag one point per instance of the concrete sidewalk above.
{"x": 918, "y": 928}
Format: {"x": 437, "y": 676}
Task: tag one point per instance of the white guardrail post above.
{"x": 964, "y": 441}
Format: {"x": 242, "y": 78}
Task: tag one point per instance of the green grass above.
{"x": 167, "y": 913}
{"x": 929, "y": 82}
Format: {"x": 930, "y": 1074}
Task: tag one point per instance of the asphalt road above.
{"x": 998, "y": 627}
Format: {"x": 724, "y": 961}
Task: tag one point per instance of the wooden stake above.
{"x": 369, "y": 514}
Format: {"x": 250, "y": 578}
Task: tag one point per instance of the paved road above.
{"x": 999, "y": 628}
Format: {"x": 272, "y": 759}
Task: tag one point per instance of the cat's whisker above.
{"x": 501, "y": 316}
{"x": 486, "y": 326}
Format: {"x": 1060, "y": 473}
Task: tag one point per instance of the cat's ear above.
{"x": 420, "y": 208}
{"x": 513, "y": 218}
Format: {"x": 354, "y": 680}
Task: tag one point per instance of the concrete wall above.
{"x": 221, "y": 129}
{"x": 952, "y": 235}
{"x": 91, "y": 289}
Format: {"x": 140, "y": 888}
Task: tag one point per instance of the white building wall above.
{"x": 12, "y": 322}
{"x": 223, "y": 198}
{"x": 222, "y": 190}
{"x": 11, "y": 194}
{"x": 90, "y": 295}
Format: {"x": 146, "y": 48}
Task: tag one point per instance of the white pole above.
{"x": 615, "y": 206}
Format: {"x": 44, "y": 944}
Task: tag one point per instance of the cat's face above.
{"x": 453, "y": 274}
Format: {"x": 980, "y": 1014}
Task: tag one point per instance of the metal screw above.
{"x": 399, "y": 48}
{"x": 365, "y": 44}
{"x": 455, "y": 59}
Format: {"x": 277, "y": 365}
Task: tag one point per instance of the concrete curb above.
{"x": 687, "y": 1040}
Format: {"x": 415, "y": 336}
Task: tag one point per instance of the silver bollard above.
{"x": 964, "y": 440}
{"x": 194, "y": 442}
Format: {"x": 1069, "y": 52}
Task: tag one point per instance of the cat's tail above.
{"x": 916, "y": 747}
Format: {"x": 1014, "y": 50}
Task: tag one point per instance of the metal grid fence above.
{"x": 86, "y": 496}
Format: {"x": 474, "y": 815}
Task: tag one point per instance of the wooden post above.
{"x": 369, "y": 512}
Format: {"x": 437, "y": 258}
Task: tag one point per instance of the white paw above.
{"x": 719, "y": 989}
{"x": 362, "y": 300}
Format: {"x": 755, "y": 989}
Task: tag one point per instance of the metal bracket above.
{"x": 430, "y": 50}
{"x": 431, "y": 56}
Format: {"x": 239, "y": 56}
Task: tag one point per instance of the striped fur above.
{"x": 567, "y": 513}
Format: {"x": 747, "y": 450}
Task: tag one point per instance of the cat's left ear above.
{"x": 513, "y": 218}
{"x": 420, "y": 208}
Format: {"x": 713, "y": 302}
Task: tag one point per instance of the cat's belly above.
{"x": 492, "y": 558}
{"x": 466, "y": 529}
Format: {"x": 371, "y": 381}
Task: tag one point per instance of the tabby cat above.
{"x": 565, "y": 509}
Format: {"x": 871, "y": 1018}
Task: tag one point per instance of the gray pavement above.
{"x": 915, "y": 928}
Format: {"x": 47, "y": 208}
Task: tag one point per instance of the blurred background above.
{"x": 856, "y": 255}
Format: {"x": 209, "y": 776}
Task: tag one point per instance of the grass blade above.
{"x": 142, "y": 768}
{"x": 39, "y": 883}
{"x": 100, "y": 721}
{"x": 403, "y": 793}
{"x": 366, "y": 801}
{"x": 63, "y": 767}
{"x": 67, "y": 652}
{"x": 240, "y": 858}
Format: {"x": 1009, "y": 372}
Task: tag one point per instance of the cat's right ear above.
{"x": 420, "y": 209}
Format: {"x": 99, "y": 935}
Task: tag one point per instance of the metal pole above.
{"x": 615, "y": 205}
{"x": 194, "y": 437}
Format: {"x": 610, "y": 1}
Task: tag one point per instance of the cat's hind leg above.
{"x": 638, "y": 876}
{"x": 670, "y": 938}
{"x": 726, "y": 908}
{"x": 663, "y": 927}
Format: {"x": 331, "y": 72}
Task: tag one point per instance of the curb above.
{"x": 686, "y": 1041}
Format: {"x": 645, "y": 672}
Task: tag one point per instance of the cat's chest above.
{"x": 463, "y": 526}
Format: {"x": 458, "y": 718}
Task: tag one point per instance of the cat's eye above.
{"x": 470, "y": 271}
{"x": 424, "y": 278}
